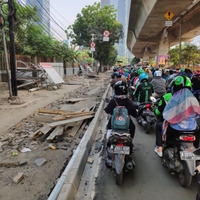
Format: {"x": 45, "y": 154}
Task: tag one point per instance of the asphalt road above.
{"x": 149, "y": 180}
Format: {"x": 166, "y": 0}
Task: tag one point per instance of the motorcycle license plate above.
{"x": 120, "y": 149}
{"x": 148, "y": 112}
{"x": 185, "y": 155}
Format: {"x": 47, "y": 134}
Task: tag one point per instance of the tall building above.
{"x": 196, "y": 41}
{"x": 123, "y": 10}
{"x": 43, "y": 11}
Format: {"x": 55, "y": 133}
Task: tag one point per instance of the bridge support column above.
{"x": 163, "y": 48}
{"x": 145, "y": 57}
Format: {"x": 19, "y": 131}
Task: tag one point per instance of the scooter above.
{"x": 179, "y": 157}
{"x": 119, "y": 150}
{"x": 146, "y": 117}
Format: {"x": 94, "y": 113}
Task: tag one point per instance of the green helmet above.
{"x": 126, "y": 70}
{"x": 182, "y": 70}
{"x": 140, "y": 71}
{"x": 133, "y": 70}
{"x": 181, "y": 82}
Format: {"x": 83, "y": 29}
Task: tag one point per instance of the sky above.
{"x": 68, "y": 9}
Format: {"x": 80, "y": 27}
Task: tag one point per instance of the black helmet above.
{"x": 115, "y": 69}
{"x": 171, "y": 71}
{"x": 121, "y": 88}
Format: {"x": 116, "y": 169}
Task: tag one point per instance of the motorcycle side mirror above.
{"x": 197, "y": 151}
{"x": 153, "y": 99}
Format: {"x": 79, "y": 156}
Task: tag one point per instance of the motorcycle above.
{"x": 197, "y": 95}
{"x": 146, "y": 117}
{"x": 119, "y": 150}
{"x": 179, "y": 157}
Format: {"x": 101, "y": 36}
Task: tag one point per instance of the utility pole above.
{"x": 92, "y": 51}
{"x": 2, "y": 21}
{"x": 12, "y": 48}
{"x": 180, "y": 42}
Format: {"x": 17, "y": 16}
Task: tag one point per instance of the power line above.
{"x": 50, "y": 15}
{"x": 58, "y": 12}
{"x": 42, "y": 19}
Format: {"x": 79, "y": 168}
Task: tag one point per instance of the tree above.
{"x": 190, "y": 54}
{"x": 95, "y": 20}
{"x": 31, "y": 39}
{"x": 135, "y": 61}
{"x": 174, "y": 56}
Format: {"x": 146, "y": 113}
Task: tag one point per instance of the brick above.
{"x": 18, "y": 178}
{"x": 90, "y": 160}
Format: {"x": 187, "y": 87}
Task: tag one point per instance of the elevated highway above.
{"x": 147, "y": 34}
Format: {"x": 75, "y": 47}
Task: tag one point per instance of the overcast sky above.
{"x": 68, "y": 9}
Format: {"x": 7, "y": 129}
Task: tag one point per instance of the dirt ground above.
{"x": 17, "y": 123}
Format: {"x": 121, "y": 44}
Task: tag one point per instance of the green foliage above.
{"x": 31, "y": 39}
{"x": 95, "y": 20}
{"x": 190, "y": 55}
{"x": 135, "y": 61}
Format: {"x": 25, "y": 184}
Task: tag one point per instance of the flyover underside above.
{"x": 147, "y": 24}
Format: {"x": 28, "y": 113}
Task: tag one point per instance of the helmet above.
{"x": 121, "y": 88}
{"x": 133, "y": 70}
{"x": 166, "y": 70}
{"x": 118, "y": 75}
{"x": 140, "y": 71}
{"x": 147, "y": 70}
{"x": 197, "y": 72}
{"x": 181, "y": 82}
{"x": 115, "y": 69}
{"x": 126, "y": 70}
{"x": 143, "y": 76}
{"x": 157, "y": 68}
{"x": 157, "y": 73}
{"x": 182, "y": 69}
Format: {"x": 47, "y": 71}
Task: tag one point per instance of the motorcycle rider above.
{"x": 136, "y": 80}
{"x": 113, "y": 76}
{"x": 127, "y": 75}
{"x": 144, "y": 90}
{"x": 159, "y": 84}
{"x": 181, "y": 111}
{"x": 159, "y": 111}
{"x": 121, "y": 91}
{"x": 118, "y": 78}
{"x": 148, "y": 72}
{"x": 196, "y": 81}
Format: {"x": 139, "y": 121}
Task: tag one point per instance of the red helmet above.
{"x": 197, "y": 72}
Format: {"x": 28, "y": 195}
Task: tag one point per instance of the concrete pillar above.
{"x": 163, "y": 48}
{"x": 145, "y": 57}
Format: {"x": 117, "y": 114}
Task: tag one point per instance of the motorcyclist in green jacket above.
{"x": 159, "y": 110}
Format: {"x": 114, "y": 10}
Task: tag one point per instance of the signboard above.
{"x": 92, "y": 49}
{"x": 162, "y": 60}
{"x": 168, "y": 23}
{"x": 169, "y": 15}
{"x": 92, "y": 45}
{"x": 106, "y": 39}
{"x": 106, "y": 33}
{"x": 52, "y": 74}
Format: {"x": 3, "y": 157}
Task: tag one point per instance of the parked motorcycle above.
{"x": 179, "y": 157}
{"x": 119, "y": 150}
{"x": 146, "y": 117}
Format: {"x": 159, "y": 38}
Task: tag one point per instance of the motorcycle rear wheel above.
{"x": 119, "y": 178}
{"x": 185, "y": 178}
{"x": 147, "y": 128}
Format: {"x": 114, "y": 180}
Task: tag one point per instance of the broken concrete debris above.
{"x": 90, "y": 160}
{"x": 40, "y": 161}
{"x": 18, "y": 178}
{"x": 22, "y": 162}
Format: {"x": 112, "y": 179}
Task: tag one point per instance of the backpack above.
{"x": 120, "y": 119}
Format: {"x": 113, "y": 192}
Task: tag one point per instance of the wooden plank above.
{"x": 74, "y": 130}
{"x": 35, "y": 133}
{"x": 59, "y": 112}
{"x": 72, "y": 116}
{"x": 58, "y": 131}
{"x": 76, "y": 99}
{"x": 79, "y": 113}
{"x": 45, "y": 129}
{"x": 59, "y": 123}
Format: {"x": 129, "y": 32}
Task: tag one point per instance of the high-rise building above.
{"x": 43, "y": 11}
{"x": 123, "y": 9}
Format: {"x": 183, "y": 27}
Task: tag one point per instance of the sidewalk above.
{"x": 12, "y": 114}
